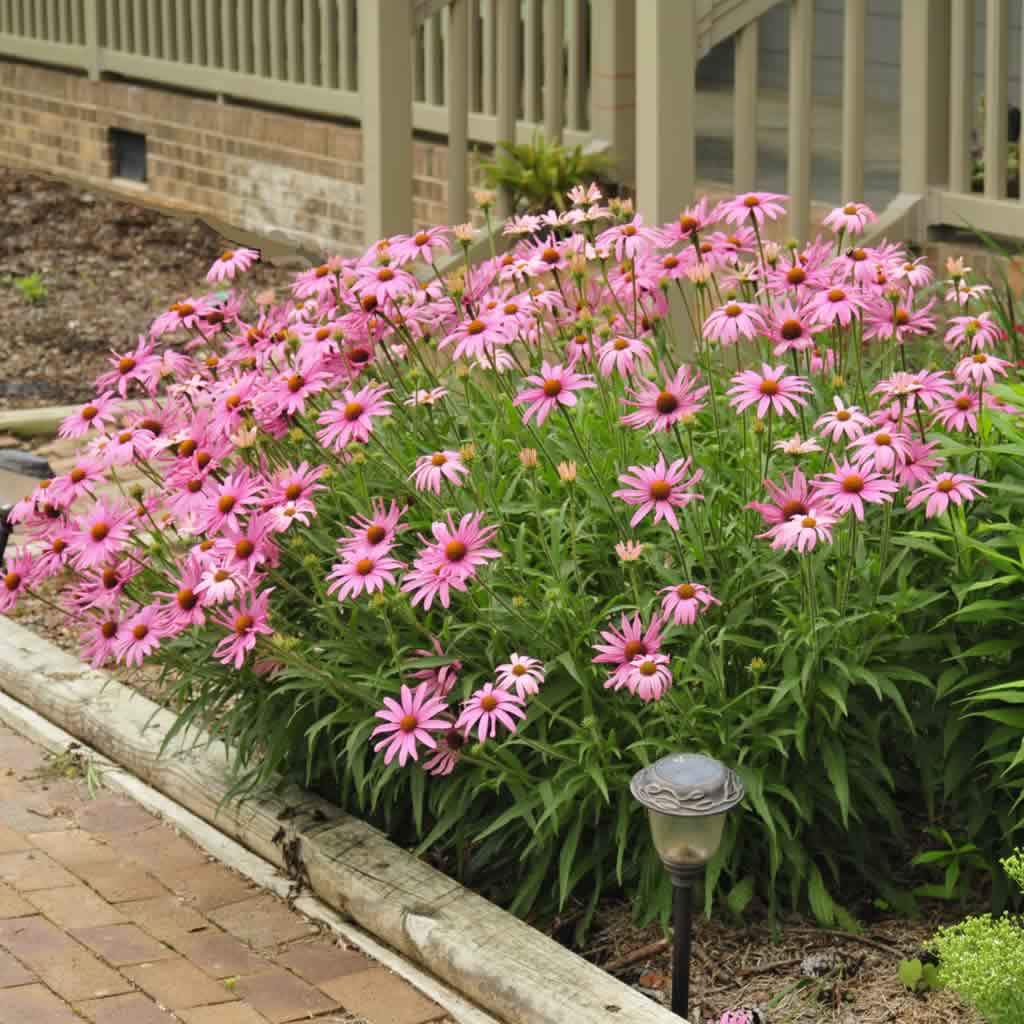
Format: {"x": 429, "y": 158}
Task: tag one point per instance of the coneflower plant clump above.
{"x": 465, "y": 543}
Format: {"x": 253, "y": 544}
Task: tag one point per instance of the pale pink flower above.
{"x": 850, "y": 487}
{"x": 980, "y": 332}
{"x": 630, "y": 241}
{"x": 359, "y": 573}
{"x": 93, "y": 415}
{"x": 412, "y": 721}
{"x": 943, "y": 489}
{"x": 789, "y": 498}
{"x": 769, "y": 389}
{"x": 756, "y": 206}
{"x": 99, "y": 535}
{"x": 425, "y": 244}
{"x": 622, "y": 645}
{"x": 661, "y": 488}
{"x": 792, "y": 328}
{"x": 662, "y": 406}
{"x": 444, "y": 759}
{"x": 837, "y": 305}
{"x": 802, "y": 532}
{"x": 629, "y": 550}
{"x": 139, "y": 636}
{"x": 851, "y": 218}
{"x": 522, "y": 674}
{"x": 959, "y": 411}
{"x": 683, "y": 602}
{"x": 980, "y": 369}
{"x": 555, "y": 385}
{"x": 919, "y": 466}
{"x": 99, "y": 639}
{"x": 432, "y": 469}
{"x": 350, "y": 418}
{"x": 20, "y": 573}
{"x": 487, "y": 708}
{"x": 648, "y": 677}
{"x": 441, "y": 678}
{"x": 245, "y": 622}
{"x": 797, "y": 446}
{"x": 733, "y": 321}
{"x": 232, "y": 262}
{"x": 374, "y": 534}
{"x": 885, "y": 320}
{"x": 622, "y": 355}
{"x": 884, "y": 449}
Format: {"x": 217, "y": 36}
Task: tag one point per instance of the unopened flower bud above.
{"x": 771, "y": 252}
{"x": 461, "y": 370}
{"x": 757, "y": 665}
{"x": 465, "y": 233}
{"x": 467, "y": 452}
{"x": 567, "y": 471}
{"x": 629, "y": 550}
{"x": 518, "y": 601}
{"x": 378, "y": 600}
{"x": 296, "y": 434}
{"x": 137, "y": 493}
{"x": 359, "y": 456}
{"x": 244, "y": 438}
{"x": 484, "y": 198}
{"x": 578, "y": 264}
{"x": 759, "y": 426}
{"x": 838, "y": 382}
{"x": 528, "y": 457}
{"x": 311, "y": 561}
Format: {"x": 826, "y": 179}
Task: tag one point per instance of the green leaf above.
{"x": 821, "y": 902}
{"x": 910, "y": 973}
{"x": 740, "y": 895}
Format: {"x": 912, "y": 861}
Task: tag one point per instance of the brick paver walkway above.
{"x": 108, "y": 915}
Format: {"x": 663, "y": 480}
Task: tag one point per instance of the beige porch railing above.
{"x": 616, "y": 74}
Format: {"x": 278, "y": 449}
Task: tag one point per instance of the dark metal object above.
{"x": 682, "y": 920}
{"x": 25, "y": 464}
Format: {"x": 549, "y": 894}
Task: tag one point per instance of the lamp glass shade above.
{"x": 686, "y": 840}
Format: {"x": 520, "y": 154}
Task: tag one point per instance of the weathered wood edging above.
{"x": 490, "y": 956}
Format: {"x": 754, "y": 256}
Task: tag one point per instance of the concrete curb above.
{"x": 29, "y": 424}
{"x": 481, "y": 951}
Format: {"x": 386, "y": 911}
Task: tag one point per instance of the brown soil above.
{"x": 110, "y": 267}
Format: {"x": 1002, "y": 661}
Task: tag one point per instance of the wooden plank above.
{"x": 482, "y": 127}
{"x": 416, "y": 57}
{"x": 996, "y": 101}
{"x": 292, "y": 13}
{"x": 554, "y": 69}
{"x": 259, "y": 35}
{"x": 196, "y": 32}
{"x": 213, "y": 51}
{"x": 228, "y": 37}
{"x": 852, "y": 171}
{"x": 274, "y": 41}
{"x": 310, "y": 56}
{"x": 50, "y": 29}
{"x": 348, "y": 66}
{"x": 153, "y": 29}
{"x": 169, "y": 43}
{"x": 744, "y": 136}
{"x": 458, "y": 111}
{"x": 961, "y": 100}
{"x": 474, "y": 58}
{"x": 411, "y": 906}
{"x": 433, "y": 61}
{"x": 183, "y": 32}
{"x": 490, "y": 56}
{"x": 91, "y": 37}
{"x": 139, "y": 28}
{"x": 798, "y": 149}
{"x": 1001, "y": 217}
{"x": 328, "y": 47}
{"x": 507, "y": 85}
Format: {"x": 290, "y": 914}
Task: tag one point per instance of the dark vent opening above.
{"x": 128, "y": 154}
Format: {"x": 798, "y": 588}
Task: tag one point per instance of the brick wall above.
{"x": 250, "y": 168}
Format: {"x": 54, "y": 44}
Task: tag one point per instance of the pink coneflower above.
{"x": 980, "y": 331}
{"x": 802, "y": 531}
{"x": 629, "y": 550}
{"x": 980, "y": 369}
{"x": 622, "y": 645}
{"x": 648, "y": 676}
{"x": 943, "y": 489}
{"x": 919, "y": 465}
{"x": 479, "y": 338}
{"x": 769, "y": 389}
{"x": 661, "y": 406}
{"x": 630, "y": 241}
{"x": 792, "y": 328}
{"x": 99, "y": 535}
{"x": 659, "y": 487}
{"x": 350, "y": 418}
{"x": 19, "y": 574}
{"x": 789, "y": 498}
{"x": 797, "y": 446}
{"x": 446, "y": 756}
{"x": 441, "y": 678}
{"x": 99, "y": 639}
{"x": 426, "y": 396}
{"x": 78, "y": 482}
{"x": 425, "y": 244}
{"x": 185, "y": 607}
{"x": 376, "y": 533}
{"x": 884, "y": 449}
{"x": 295, "y": 483}
{"x": 218, "y": 583}
{"x": 733, "y": 321}
{"x": 556, "y": 385}
{"x": 522, "y": 674}
{"x": 683, "y": 602}
{"x": 361, "y": 573}
{"x": 487, "y": 708}
{"x": 849, "y": 487}
{"x": 837, "y": 305}
{"x": 234, "y": 496}
{"x": 622, "y": 355}
{"x": 232, "y": 262}
{"x": 432, "y": 469}
{"x": 409, "y": 722}
{"x": 93, "y": 415}
{"x": 851, "y": 218}
{"x": 139, "y": 636}
{"x": 245, "y": 622}
{"x": 141, "y": 365}
{"x": 886, "y": 320}
{"x": 959, "y": 411}
{"x": 756, "y": 206}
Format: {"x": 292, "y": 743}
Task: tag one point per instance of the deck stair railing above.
{"x": 617, "y": 74}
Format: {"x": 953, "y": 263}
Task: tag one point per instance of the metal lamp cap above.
{"x": 689, "y": 785}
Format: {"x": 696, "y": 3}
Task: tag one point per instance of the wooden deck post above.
{"x": 854, "y": 31}
{"x": 385, "y": 88}
{"x": 554, "y": 69}
{"x": 509, "y": 79}
{"x": 744, "y": 137}
{"x": 613, "y": 80}
{"x": 961, "y": 106}
{"x": 457, "y": 94}
{"x": 92, "y": 37}
{"x": 801, "y": 113}
{"x": 666, "y": 132}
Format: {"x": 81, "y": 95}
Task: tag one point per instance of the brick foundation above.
{"x": 254, "y": 169}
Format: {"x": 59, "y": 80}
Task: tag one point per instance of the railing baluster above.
{"x": 507, "y": 85}
{"x": 228, "y": 40}
{"x": 309, "y": 63}
{"x": 167, "y": 40}
{"x": 328, "y": 53}
{"x": 554, "y": 69}
{"x": 490, "y": 46}
{"x": 274, "y": 41}
{"x": 77, "y": 36}
{"x": 457, "y": 96}
{"x": 243, "y": 33}
{"x": 153, "y": 29}
{"x": 473, "y": 57}
{"x": 996, "y": 113}
{"x": 62, "y": 23}
{"x": 961, "y": 97}
{"x": 182, "y": 32}
{"x": 576, "y": 89}
{"x": 532, "y": 50}
{"x": 433, "y": 71}
{"x": 744, "y": 153}
{"x": 16, "y": 12}
{"x": 259, "y": 36}
{"x": 347, "y": 46}
{"x": 801, "y": 63}
{"x": 51, "y": 20}
{"x": 292, "y": 33}
{"x": 213, "y": 54}
{"x": 852, "y": 175}
{"x": 196, "y": 32}
{"x": 139, "y": 28}
{"x": 416, "y": 57}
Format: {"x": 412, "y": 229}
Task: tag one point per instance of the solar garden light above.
{"x": 687, "y": 797}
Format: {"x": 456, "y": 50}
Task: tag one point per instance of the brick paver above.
{"x": 108, "y": 916}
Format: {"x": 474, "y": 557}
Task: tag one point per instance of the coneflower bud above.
{"x": 578, "y": 264}
{"x": 378, "y": 600}
{"x": 838, "y": 382}
{"x": 296, "y": 434}
{"x": 137, "y": 493}
{"x": 465, "y": 233}
{"x": 358, "y": 456}
{"x": 757, "y": 665}
{"x": 467, "y": 452}
{"x": 567, "y": 472}
{"x": 771, "y": 252}
{"x": 484, "y": 198}
{"x": 518, "y": 601}
{"x": 528, "y": 457}
{"x": 759, "y": 426}
{"x": 629, "y": 550}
